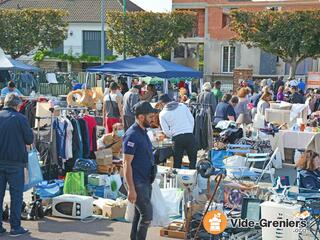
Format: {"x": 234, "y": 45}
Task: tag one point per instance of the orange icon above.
{"x": 215, "y": 222}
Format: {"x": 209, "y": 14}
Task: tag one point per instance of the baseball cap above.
{"x": 165, "y": 98}
{"x": 144, "y": 107}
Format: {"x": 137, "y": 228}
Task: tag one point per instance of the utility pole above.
{"x": 124, "y": 28}
{"x": 103, "y": 37}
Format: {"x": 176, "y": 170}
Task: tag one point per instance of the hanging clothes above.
{"x": 68, "y": 149}
{"x": 60, "y": 126}
{"x": 92, "y": 124}
{"x": 77, "y": 145}
{"x": 203, "y": 126}
{"x": 85, "y": 137}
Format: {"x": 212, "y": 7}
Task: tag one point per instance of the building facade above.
{"x": 212, "y": 36}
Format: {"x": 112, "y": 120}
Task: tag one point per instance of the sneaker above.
{"x": 20, "y": 231}
{"x": 2, "y": 231}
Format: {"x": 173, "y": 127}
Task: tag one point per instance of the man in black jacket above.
{"x": 15, "y": 134}
{"x": 296, "y": 97}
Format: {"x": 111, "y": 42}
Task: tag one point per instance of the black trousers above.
{"x": 143, "y": 212}
{"x": 181, "y": 143}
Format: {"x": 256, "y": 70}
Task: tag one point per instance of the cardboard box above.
{"x": 114, "y": 211}
{"x": 104, "y": 156}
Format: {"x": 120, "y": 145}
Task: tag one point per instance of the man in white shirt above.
{"x": 177, "y": 123}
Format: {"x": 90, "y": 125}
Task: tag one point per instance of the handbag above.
{"x": 85, "y": 165}
{"x": 33, "y": 173}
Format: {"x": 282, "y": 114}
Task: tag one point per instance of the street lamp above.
{"x": 124, "y": 28}
{"x": 103, "y": 37}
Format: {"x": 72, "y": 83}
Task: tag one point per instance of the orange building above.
{"x": 213, "y": 34}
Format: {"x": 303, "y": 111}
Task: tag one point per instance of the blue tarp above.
{"x": 17, "y": 65}
{"x": 147, "y": 66}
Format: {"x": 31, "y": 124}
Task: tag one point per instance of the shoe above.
{"x": 20, "y": 231}
{"x": 2, "y": 231}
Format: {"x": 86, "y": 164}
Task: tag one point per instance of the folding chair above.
{"x": 239, "y": 148}
{"x": 257, "y": 173}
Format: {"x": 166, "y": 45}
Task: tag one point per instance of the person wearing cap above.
{"x": 15, "y": 134}
{"x": 112, "y": 108}
{"x": 130, "y": 99}
{"x": 11, "y": 88}
{"x": 138, "y": 162}
{"x": 76, "y": 85}
{"x": 177, "y": 123}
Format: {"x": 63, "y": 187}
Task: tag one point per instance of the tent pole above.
{"x": 165, "y": 86}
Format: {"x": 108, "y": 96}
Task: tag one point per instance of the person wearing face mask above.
{"x": 309, "y": 170}
{"x": 113, "y": 140}
{"x": 177, "y": 123}
{"x": 15, "y": 134}
{"x": 138, "y": 166}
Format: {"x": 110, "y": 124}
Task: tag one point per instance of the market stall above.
{"x": 147, "y": 66}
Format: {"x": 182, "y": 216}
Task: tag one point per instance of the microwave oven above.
{"x": 72, "y": 206}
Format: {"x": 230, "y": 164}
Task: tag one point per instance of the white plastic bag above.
{"x": 160, "y": 214}
{"x": 233, "y": 163}
{"x": 129, "y": 212}
{"x": 172, "y": 200}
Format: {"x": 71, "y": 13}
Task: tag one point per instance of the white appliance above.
{"x": 72, "y": 206}
{"x": 273, "y": 211}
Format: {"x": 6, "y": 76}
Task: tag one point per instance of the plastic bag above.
{"x": 172, "y": 200}
{"x": 33, "y": 173}
{"x": 160, "y": 215}
{"x": 234, "y": 162}
{"x": 47, "y": 189}
{"x": 74, "y": 184}
{"x": 129, "y": 212}
{"x": 217, "y": 157}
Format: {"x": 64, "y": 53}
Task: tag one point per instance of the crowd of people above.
{"x": 128, "y": 113}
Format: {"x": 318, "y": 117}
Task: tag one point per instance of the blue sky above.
{"x": 154, "y": 5}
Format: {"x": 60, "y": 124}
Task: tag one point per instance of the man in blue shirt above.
{"x": 76, "y": 85}
{"x": 137, "y": 167}
{"x": 15, "y": 134}
{"x": 11, "y": 87}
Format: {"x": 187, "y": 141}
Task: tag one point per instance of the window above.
{"x": 92, "y": 44}
{"x": 228, "y": 58}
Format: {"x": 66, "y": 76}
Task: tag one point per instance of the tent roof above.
{"x": 11, "y": 64}
{"x": 147, "y": 66}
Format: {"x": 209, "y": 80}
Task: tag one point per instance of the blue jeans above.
{"x": 143, "y": 212}
{"x": 14, "y": 176}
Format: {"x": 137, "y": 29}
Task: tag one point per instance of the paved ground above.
{"x": 63, "y": 229}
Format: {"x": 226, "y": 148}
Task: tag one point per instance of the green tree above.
{"x": 27, "y": 29}
{"x": 292, "y": 36}
{"x": 147, "y": 32}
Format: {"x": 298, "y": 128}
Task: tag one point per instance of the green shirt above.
{"x": 217, "y": 93}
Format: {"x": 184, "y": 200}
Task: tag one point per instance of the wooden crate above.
{"x": 174, "y": 231}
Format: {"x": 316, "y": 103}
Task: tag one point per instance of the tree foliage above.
{"x": 293, "y": 36}
{"x": 147, "y": 32}
{"x": 27, "y": 29}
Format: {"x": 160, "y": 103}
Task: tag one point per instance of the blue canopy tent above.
{"x": 147, "y": 66}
